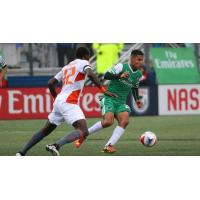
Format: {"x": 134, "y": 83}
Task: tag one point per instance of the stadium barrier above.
{"x": 25, "y": 103}
{"x": 179, "y": 99}
{"x": 36, "y": 103}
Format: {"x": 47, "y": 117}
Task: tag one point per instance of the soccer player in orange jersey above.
{"x": 65, "y": 107}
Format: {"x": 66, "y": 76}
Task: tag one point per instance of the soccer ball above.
{"x": 148, "y": 139}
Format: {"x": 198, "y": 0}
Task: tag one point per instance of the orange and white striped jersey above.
{"x": 73, "y": 78}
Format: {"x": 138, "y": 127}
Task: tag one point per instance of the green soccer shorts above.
{"x": 110, "y": 105}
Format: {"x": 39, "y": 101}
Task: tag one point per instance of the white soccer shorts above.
{"x": 63, "y": 111}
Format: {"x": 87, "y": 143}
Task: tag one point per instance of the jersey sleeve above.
{"x": 58, "y": 76}
{"x": 137, "y": 85}
{"x": 85, "y": 65}
{"x": 116, "y": 69}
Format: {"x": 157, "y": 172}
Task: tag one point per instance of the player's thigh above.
{"x": 122, "y": 115}
{"x": 71, "y": 113}
{"x": 108, "y": 119}
{"x": 123, "y": 119}
{"x": 55, "y": 117}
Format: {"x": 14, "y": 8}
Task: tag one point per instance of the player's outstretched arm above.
{"x": 96, "y": 81}
{"x": 110, "y": 76}
{"x": 52, "y": 86}
{"x": 135, "y": 93}
{"x": 93, "y": 77}
{"x": 136, "y": 97}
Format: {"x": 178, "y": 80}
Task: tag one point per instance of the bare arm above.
{"x": 2, "y": 74}
{"x": 93, "y": 77}
{"x": 137, "y": 97}
{"x": 51, "y": 84}
{"x": 135, "y": 93}
{"x": 96, "y": 81}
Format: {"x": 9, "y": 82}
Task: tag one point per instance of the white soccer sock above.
{"x": 96, "y": 127}
{"x": 117, "y": 133}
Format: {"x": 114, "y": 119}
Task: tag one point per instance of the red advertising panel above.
{"x": 36, "y": 103}
{"x": 89, "y": 102}
{"x": 179, "y": 99}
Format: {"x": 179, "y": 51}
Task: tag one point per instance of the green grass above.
{"x": 177, "y": 135}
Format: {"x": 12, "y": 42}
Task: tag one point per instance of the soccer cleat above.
{"x": 79, "y": 142}
{"x": 52, "y": 149}
{"x": 108, "y": 149}
{"x": 19, "y": 154}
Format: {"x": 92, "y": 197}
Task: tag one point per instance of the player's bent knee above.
{"x": 85, "y": 133}
{"x": 124, "y": 123}
{"x": 48, "y": 129}
{"x": 107, "y": 123}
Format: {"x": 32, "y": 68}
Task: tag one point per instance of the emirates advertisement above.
{"x": 36, "y": 103}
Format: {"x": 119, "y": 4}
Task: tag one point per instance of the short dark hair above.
{"x": 137, "y": 52}
{"x": 81, "y": 52}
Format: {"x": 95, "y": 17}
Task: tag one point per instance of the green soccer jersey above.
{"x": 122, "y": 87}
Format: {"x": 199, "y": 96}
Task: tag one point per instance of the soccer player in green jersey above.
{"x": 3, "y": 69}
{"x": 123, "y": 79}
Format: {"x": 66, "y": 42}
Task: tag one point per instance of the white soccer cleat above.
{"x": 18, "y": 154}
{"x": 51, "y": 148}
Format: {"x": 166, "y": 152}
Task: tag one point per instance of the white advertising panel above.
{"x": 179, "y": 99}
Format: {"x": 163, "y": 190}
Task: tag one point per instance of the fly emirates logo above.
{"x": 37, "y": 103}
{"x": 18, "y": 102}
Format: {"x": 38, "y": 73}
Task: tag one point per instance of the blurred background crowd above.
{"x": 45, "y": 59}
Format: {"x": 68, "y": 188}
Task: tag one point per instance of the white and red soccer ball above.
{"x": 148, "y": 139}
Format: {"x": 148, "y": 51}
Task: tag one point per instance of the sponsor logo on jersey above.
{"x": 126, "y": 82}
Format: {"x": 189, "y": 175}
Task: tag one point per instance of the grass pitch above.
{"x": 177, "y": 136}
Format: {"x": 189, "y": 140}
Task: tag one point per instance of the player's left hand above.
{"x": 124, "y": 75}
{"x": 110, "y": 94}
{"x": 139, "y": 103}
